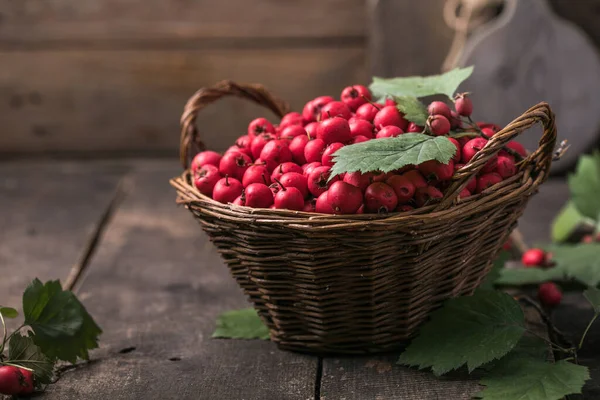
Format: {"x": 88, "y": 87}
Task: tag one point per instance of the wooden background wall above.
{"x": 110, "y": 77}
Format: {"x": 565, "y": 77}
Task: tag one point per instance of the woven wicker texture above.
{"x": 362, "y": 283}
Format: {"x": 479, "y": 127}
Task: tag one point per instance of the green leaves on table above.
{"x": 419, "y": 86}
{"x": 24, "y": 352}
{"x": 241, "y": 324}
{"x": 566, "y": 222}
{"x": 389, "y": 154}
{"x": 413, "y": 109}
{"x": 584, "y": 185}
{"x": 471, "y": 330}
{"x": 522, "y": 377}
{"x": 8, "y": 312}
{"x": 580, "y": 262}
{"x": 63, "y": 328}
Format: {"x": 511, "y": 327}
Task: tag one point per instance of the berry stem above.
{"x": 550, "y": 343}
{"x": 586, "y": 330}
{"x": 546, "y": 319}
{"x": 370, "y": 102}
{"x": 280, "y": 184}
{"x": 264, "y": 179}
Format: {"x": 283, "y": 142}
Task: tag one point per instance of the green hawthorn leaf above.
{"x": 565, "y": 223}
{"x": 420, "y": 86}
{"x": 8, "y": 312}
{"x": 471, "y": 330}
{"x": 63, "y": 328}
{"x": 518, "y": 376}
{"x": 413, "y": 109}
{"x": 593, "y": 296}
{"x": 23, "y": 352}
{"x": 241, "y": 324}
{"x": 494, "y": 274}
{"x": 584, "y": 185}
{"x": 388, "y": 154}
{"x": 578, "y": 262}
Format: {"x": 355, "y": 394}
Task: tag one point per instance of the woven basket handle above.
{"x": 191, "y": 143}
{"x": 541, "y": 158}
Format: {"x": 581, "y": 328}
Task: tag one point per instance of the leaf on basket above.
{"x": 241, "y": 324}
{"x": 388, "y": 154}
{"x": 471, "y": 330}
{"x": 593, "y": 296}
{"x": 420, "y": 86}
{"x": 494, "y": 274}
{"x": 413, "y": 109}
{"x": 584, "y": 185}
{"x": 566, "y": 222}
{"x": 578, "y": 262}
{"x": 518, "y": 376}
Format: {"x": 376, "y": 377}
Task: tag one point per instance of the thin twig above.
{"x": 546, "y": 319}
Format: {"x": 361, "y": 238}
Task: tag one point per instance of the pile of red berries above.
{"x": 287, "y": 166}
{"x": 549, "y": 293}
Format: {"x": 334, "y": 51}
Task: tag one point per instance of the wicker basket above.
{"x": 361, "y": 283}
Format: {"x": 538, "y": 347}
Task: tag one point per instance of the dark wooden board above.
{"x": 157, "y": 285}
{"x": 29, "y": 22}
{"x": 100, "y": 102}
{"x": 48, "y": 211}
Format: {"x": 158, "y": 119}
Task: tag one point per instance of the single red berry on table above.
{"x": 439, "y": 108}
{"x": 438, "y": 125}
{"x": 206, "y": 178}
{"x": 11, "y": 380}
{"x": 27, "y": 385}
{"x": 463, "y": 104}
{"x": 380, "y": 198}
{"x": 317, "y": 180}
{"x": 227, "y": 190}
{"x": 258, "y": 195}
{"x": 313, "y": 151}
{"x": 344, "y": 198}
{"x": 327, "y": 158}
{"x": 367, "y": 112}
{"x": 333, "y": 130}
{"x": 403, "y": 187}
{"x": 549, "y": 294}
{"x": 355, "y": 96}
{"x": 312, "y": 109}
{"x": 389, "y": 131}
{"x": 260, "y": 125}
{"x": 390, "y": 115}
{"x": 256, "y": 174}
{"x": 234, "y": 165}
{"x": 204, "y": 158}
{"x": 335, "y": 109}
{"x": 534, "y": 258}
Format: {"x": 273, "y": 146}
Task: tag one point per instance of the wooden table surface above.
{"x": 155, "y": 285}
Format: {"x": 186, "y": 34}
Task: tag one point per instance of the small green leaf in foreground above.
{"x": 584, "y": 185}
{"x": 241, "y": 324}
{"x": 413, "y": 109}
{"x": 520, "y": 377}
{"x": 420, "y": 86}
{"x": 389, "y": 154}
{"x": 593, "y": 296}
{"x": 565, "y": 223}
{"x": 23, "y": 352}
{"x": 8, "y": 312}
{"x": 63, "y": 328}
{"x": 471, "y": 330}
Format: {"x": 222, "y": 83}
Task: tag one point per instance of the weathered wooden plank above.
{"x": 49, "y": 210}
{"x": 157, "y": 284}
{"x": 407, "y": 37}
{"x": 31, "y": 21}
{"x": 380, "y": 378}
{"x": 131, "y": 101}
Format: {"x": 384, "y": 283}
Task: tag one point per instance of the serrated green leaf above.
{"x": 584, "y": 185}
{"x": 579, "y": 262}
{"x": 241, "y": 324}
{"x": 389, "y": 154}
{"x": 63, "y": 328}
{"x": 593, "y": 296}
{"x": 23, "y": 352}
{"x": 518, "y": 376}
{"x": 8, "y": 312}
{"x": 413, "y": 109}
{"x": 473, "y": 330}
{"x": 565, "y": 223}
{"x": 421, "y": 86}
{"x": 494, "y": 273}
